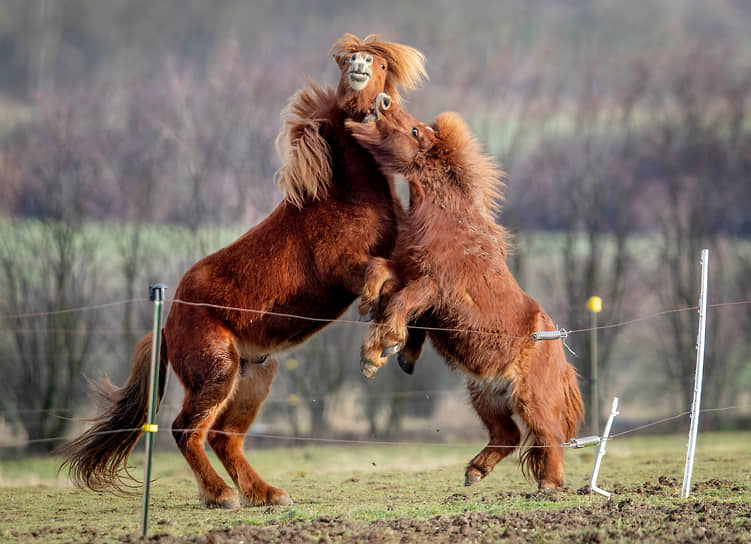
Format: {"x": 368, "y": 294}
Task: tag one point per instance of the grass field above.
{"x": 406, "y": 493}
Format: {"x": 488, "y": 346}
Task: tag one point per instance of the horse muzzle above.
{"x": 360, "y": 71}
{"x": 359, "y": 80}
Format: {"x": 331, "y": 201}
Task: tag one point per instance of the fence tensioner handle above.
{"x": 549, "y": 335}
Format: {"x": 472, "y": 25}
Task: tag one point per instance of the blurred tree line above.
{"x": 138, "y": 136}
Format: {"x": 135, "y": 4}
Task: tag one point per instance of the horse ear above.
{"x": 452, "y": 131}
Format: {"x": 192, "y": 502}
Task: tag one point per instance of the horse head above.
{"x": 444, "y": 157}
{"x": 397, "y": 141}
{"x": 370, "y": 67}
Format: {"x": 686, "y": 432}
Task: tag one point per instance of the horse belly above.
{"x": 498, "y": 392}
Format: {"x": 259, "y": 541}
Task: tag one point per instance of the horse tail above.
{"x": 573, "y": 413}
{"x": 98, "y": 458}
{"x": 533, "y": 455}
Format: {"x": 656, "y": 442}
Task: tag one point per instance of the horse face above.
{"x": 397, "y": 140}
{"x": 363, "y": 78}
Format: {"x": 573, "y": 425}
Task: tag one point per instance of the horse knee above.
{"x": 219, "y": 442}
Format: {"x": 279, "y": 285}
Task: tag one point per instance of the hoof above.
{"x": 472, "y": 477}
{"x": 391, "y": 350}
{"x": 368, "y": 369}
{"x": 283, "y": 500}
{"x": 405, "y": 365}
{"x": 230, "y": 503}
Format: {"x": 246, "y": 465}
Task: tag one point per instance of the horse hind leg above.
{"x": 189, "y": 430}
{"x": 227, "y": 434}
{"x": 207, "y": 370}
{"x": 492, "y": 404}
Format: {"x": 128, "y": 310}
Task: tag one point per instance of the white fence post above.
{"x": 695, "y": 406}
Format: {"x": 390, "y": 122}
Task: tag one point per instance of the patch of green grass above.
{"x": 365, "y": 483}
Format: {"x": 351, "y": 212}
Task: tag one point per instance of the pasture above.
{"x": 407, "y": 493}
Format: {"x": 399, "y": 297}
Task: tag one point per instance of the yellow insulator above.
{"x": 291, "y": 364}
{"x": 594, "y": 305}
{"x": 292, "y": 399}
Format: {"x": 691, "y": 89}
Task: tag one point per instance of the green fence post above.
{"x": 150, "y": 427}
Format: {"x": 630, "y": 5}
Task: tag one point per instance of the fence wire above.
{"x": 362, "y": 442}
{"x": 254, "y": 434}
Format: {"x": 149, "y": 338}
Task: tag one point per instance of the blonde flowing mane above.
{"x": 306, "y": 172}
{"x": 303, "y": 150}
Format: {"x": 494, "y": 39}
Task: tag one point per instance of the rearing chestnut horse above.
{"x": 449, "y": 270}
{"x": 307, "y": 258}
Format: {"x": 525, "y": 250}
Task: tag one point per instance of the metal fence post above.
{"x": 150, "y": 427}
{"x": 696, "y": 404}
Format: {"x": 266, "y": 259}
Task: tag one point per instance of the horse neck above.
{"x": 357, "y": 178}
{"x": 433, "y": 215}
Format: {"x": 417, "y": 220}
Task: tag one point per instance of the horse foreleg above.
{"x": 491, "y": 402}
{"x": 371, "y": 358}
{"x": 412, "y": 348}
{"x": 377, "y": 273}
{"x": 227, "y": 434}
{"x": 414, "y": 299}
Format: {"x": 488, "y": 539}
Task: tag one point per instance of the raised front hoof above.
{"x": 405, "y": 365}
{"x": 368, "y": 369}
{"x": 472, "y": 476}
{"x": 391, "y": 350}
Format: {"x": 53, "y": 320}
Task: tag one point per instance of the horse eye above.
{"x": 415, "y": 132}
{"x": 383, "y": 66}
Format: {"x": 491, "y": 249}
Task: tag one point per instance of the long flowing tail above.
{"x": 98, "y": 458}
{"x": 533, "y": 458}
{"x": 574, "y": 413}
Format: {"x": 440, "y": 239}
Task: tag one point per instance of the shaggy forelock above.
{"x": 406, "y": 64}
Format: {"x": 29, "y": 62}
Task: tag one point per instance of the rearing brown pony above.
{"x": 307, "y": 258}
{"x": 449, "y": 264}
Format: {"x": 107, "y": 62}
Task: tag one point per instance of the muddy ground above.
{"x": 627, "y": 517}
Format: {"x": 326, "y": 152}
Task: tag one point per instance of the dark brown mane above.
{"x": 406, "y": 64}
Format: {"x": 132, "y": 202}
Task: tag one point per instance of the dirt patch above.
{"x": 625, "y": 518}
{"x": 605, "y": 522}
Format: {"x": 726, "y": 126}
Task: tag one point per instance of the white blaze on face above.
{"x": 359, "y": 70}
